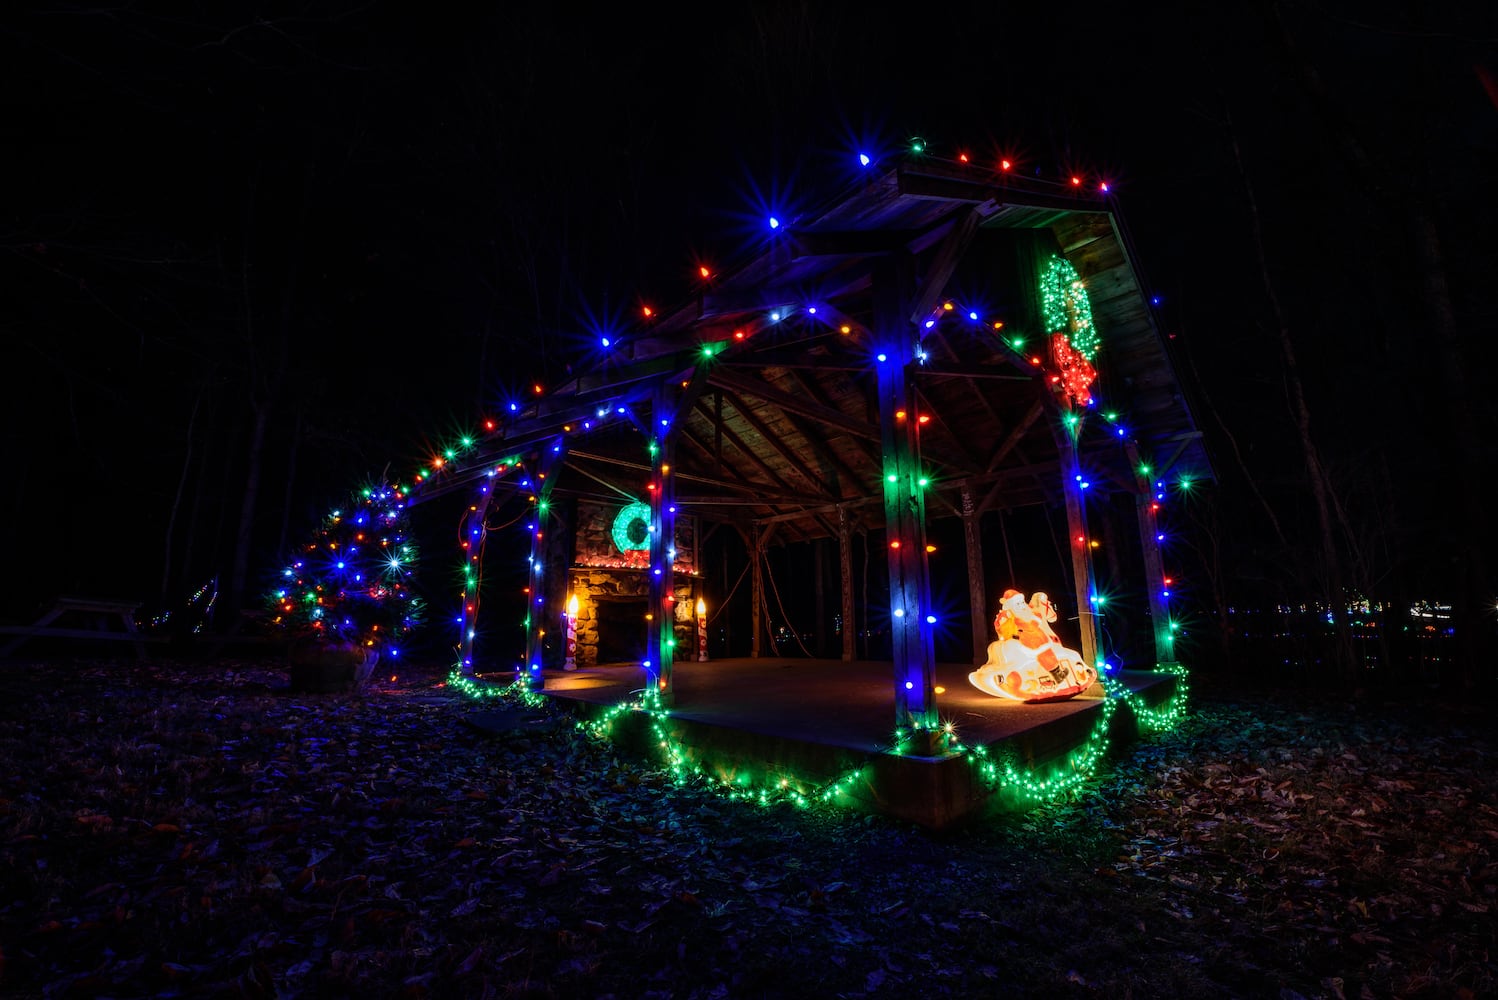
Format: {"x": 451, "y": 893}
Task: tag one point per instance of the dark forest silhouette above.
{"x": 255, "y": 261}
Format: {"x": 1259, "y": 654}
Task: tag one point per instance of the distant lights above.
{"x": 774, "y": 222}
{"x": 863, "y": 159}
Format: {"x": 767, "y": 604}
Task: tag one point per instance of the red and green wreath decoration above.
{"x": 1067, "y": 312}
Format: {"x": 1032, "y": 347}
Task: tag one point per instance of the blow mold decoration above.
{"x": 1028, "y": 663}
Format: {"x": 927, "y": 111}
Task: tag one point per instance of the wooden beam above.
{"x": 905, "y": 522}
{"x": 850, "y": 243}
{"x": 538, "y": 615}
{"x": 754, "y": 459}
{"x": 977, "y": 585}
{"x": 713, "y": 456}
{"x": 660, "y": 575}
{"x": 931, "y": 181}
{"x": 948, "y": 255}
{"x": 1084, "y": 584}
{"x": 812, "y": 390}
{"x": 1002, "y": 373}
{"x": 1012, "y": 439}
{"x": 757, "y": 588}
{"x": 748, "y": 487}
{"x": 846, "y": 279}
{"x": 971, "y": 461}
{"x": 811, "y": 409}
{"x": 1154, "y": 566}
{"x": 845, "y": 565}
{"x": 788, "y": 455}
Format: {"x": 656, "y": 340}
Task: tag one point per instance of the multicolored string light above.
{"x": 352, "y": 581}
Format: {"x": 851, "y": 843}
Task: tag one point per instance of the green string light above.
{"x": 1065, "y": 306}
{"x": 631, "y": 529}
{"x": 1000, "y": 775}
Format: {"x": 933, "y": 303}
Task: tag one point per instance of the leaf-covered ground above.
{"x": 197, "y": 830}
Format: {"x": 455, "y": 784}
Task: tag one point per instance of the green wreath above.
{"x": 632, "y": 527}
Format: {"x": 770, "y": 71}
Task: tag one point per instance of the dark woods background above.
{"x": 256, "y": 254}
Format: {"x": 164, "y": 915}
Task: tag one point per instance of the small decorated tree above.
{"x": 347, "y": 599}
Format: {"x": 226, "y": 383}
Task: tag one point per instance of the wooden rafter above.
{"x": 749, "y": 489}
{"x": 812, "y": 409}
{"x": 939, "y": 272}
{"x": 1016, "y": 434}
{"x": 824, "y": 450}
{"x": 773, "y": 440}
{"x": 749, "y": 453}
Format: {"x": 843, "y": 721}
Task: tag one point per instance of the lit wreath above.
{"x": 632, "y": 527}
{"x": 1068, "y": 319}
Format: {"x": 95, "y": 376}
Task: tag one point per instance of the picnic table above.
{"x": 82, "y": 618}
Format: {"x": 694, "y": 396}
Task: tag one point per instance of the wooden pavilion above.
{"x": 939, "y": 341}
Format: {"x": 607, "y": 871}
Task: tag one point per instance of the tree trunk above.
{"x": 1443, "y": 338}
{"x": 248, "y": 499}
{"x": 171, "y": 520}
{"x": 1343, "y": 661}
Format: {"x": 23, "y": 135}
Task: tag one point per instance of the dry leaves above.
{"x": 198, "y": 831}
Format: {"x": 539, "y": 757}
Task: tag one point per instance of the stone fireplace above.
{"x": 612, "y": 590}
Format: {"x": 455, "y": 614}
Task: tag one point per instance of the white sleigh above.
{"x": 1037, "y": 668}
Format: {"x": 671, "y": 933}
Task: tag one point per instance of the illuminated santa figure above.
{"x": 1027, "y": 662}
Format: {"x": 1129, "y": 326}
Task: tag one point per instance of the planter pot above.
{"x": 322, "y": 668}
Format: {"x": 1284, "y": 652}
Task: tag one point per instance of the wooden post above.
{"x": 757, "y": 589}
{"x": 819, "y": 591}
{"x": 537, "y": 616}
{"x": 660, "y": 644}
{"x": 473, "y": 545}
{"x": 1084, "y": 584}
{"x": 845, "y": 563}
{"x": 1145, "y": 507}
{"x": 904, "y": 516}
{"x": 972, "y": 536}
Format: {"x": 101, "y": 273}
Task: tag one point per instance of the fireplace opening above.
{"x": 621, "y": 631}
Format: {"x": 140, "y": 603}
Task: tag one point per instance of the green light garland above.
{"x": 1066, "y": 308}
{"x": 999, "y": 775}
{"x": 515, "y": 691}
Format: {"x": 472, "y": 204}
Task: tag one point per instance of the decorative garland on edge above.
{"x": 1080, "y": 766}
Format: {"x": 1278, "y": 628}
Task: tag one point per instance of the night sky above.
{"x": 369, "y": 224}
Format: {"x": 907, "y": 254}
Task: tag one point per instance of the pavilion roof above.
{"x": 774, "y": 358}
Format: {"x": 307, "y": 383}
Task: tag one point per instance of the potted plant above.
{"x": 347, "y": 600}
